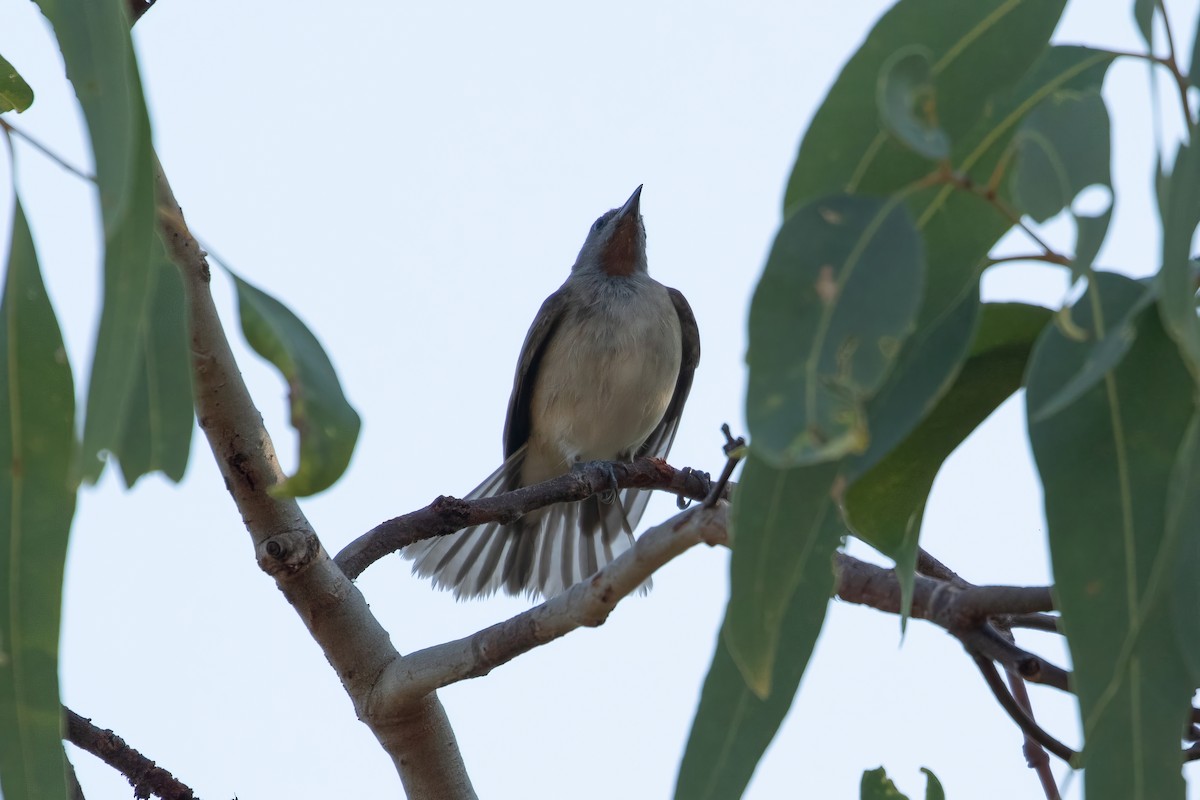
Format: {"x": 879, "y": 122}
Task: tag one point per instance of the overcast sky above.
{"x": 413, "y": 180}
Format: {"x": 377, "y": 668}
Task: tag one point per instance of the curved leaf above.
{"x": 1100, "y": 358}
{"x": 884, "y": 507}
{"x": 37, "y": 502}
{"x": 933, "y": 787}
{"x": 733, "y": 724}
{"x": 327, "y": 425}
{"x": 15, "y": 93}
{"x": 908, "y": 102}
{"x": 156, "y": 433}
{"x": 1106, "y": 463}
{"x": 1183, "y": 522}
{"x": 98, "y": 54}
{"x": 1063, "y": 147}
{"x": 836, "y": 301}
{"x": 876, "y": 785}
{"x": 785, "y": 527}
{"x": 1180, "y": 207}
{"x": 843, "y": 148}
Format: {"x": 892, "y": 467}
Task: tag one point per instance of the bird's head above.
{"x": 616, "y": 243}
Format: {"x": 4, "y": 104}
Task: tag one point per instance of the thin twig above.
{"x": 1171, "y": 62}
{"x": 143, "y": 775}
{"x": 1035, "y": 754}
{"x": 46, "y": 151}
{"x": 1049, "y": 258}
{"x": 1038, "y": 622}
{"x": 735, "y": 451}
{"x": 1018, "y": 715}
{"x": 963, "y": 610}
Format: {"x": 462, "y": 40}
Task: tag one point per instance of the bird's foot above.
{"x": 609, "y": 494}
{"x": 683, "y": 502}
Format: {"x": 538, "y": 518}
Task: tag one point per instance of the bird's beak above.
{"x": 625, "y": 247}
{"x": 632, "y": 205}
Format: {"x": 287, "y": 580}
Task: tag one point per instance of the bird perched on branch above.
{"x": 603, "y": 375}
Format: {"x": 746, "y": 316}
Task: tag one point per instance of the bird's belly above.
{"x": 612, "y": 391}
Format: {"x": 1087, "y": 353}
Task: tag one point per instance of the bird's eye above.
{"x": 598, "y": 225}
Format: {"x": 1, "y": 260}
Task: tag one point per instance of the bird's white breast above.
{"x": 606, "y": 377}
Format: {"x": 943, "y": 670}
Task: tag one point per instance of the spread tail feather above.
{"x": 542, "y": 554}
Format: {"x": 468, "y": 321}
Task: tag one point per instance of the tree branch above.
{"x": 1035, "y": 754}
{"x": 962, "y": 609}
{"x": 586, "y": 604}
{"x": 418, "y": 737}
{"x": 143, "y": 775}
{"x": 1025, "y": 722}
{"x": 446, "y": 515}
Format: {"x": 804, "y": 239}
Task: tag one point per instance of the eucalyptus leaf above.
{"x": 907, "y": 102}
{"x": 15, "y": 93}
{"x": 1106, "y": 462}
{"x": 885, "y": 506}
{"x": 326, "y": 423}
{"x": 785, "y": 526}
{"x": 156, "y": 433}
{"x": 37, "y": 502}
{"x": 1143, "y": 16}
{"x": 837, "y": 299}
{"x": 1063, "y": 146}
{"x": 1176, "y": 284}
{"x": 733, "y": 724}
{"x": 876, "y": 785}
{"x": 1101, "y": 357}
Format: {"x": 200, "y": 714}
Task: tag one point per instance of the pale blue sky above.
{"x": 413, "y": 181}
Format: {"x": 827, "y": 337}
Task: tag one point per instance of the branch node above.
{"x": 287, "y": 553}
{"x": 455, "y": 512}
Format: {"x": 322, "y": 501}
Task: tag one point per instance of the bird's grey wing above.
{"x": 518, "y": 423}
{"x": 658, "y": 443}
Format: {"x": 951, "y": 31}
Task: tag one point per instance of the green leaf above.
{"x": 836, "y": 300}
{"x": 933, "y": 787}
{"x": 1098, "y": 360}
{"x": 157, "y": 431}
{"x": 1063, "y": 147}
{"x": 977, "y": 50}
{"x": 785, "y": 526}
{"x": 1106, "y": 462}
{"x": 884, "y": 507}
{"x": 1183, "y": 521}
{"x": 15, "y": 93}
{"x": 844, "y": 148}
{"x": 733, "y": 725}
{"x": 95, "y": 43}
{"x": 876, "y": 785}
{"x": 37, "y": 502}
{"x": 907, "y": 102}
{"x": 327, "y": 425}
{"x": 1176, "y": 284}
{"x": 1089, "y": 236}
{"x": 1143, "y": 15}
{"x": 924, "y": 371}
{"x": 98, "y": 54}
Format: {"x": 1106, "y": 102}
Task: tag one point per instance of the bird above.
{"x": 603, "y": 374}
